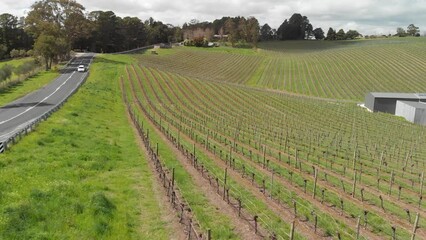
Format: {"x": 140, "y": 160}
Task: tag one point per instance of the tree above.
{"x": 252, "y": 31}
{"x": 307, "y": 28}
{"x": 45, "y": 46}
{"x": 352, "y": 34}
{"x": 266, "y": 33}
{"x": 318, "y": 33}
{"x": 400, "y": 32}
{"x": 3, "y": 51}
{"x": 297, "y": 27}
{"x": 412, "y": 30}
{"x": 231, "y": 30}
{"x": 331, "y": 34}
{"x": 55, "y": 18}
{"x": 133, "y": 31}
{"x": 340, "y": 35}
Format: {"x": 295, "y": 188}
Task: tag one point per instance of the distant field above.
{"x": 340, "y": 70}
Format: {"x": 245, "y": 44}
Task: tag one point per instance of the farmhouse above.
{"x": 386, "y": 102}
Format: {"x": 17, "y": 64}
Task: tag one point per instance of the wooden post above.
{"x": 354, "y": 184}
{"x": 399, "y": 192}
{"x": 295, "y": 208}
{"x": 393, "y": 232}
{"x": 365, "y": 218}
{"x": 422, "y": 178}
{"x": 357, "y": 227}
{"x": 381, "y": 202}
{"x": 413, "y": 236}
{"x": 173, "y": 177}
{"x": 343, "y": 185}
{"x": 362, "y": 194}
{"x": 190, "y": 229}
{"x": 263, "y": 186}
{"x": 292, "y": 231}
{"x": 304, "y": 184}
{"x": 255, "y": 224}
{"x": 239, "y": 207}
{"x": 322, "y": 195}
{"x": 209, "y": 234}
{"x": 315, "y": 182}
{"x": 224, "y": 183}
{"x": 272, "y": 183}
{"x": 315, "y": 220}
{"x": 391, "y": 182}
{"x": 341, "y": 206}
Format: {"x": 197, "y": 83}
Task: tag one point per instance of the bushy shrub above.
{"x": 6, "y": 72}
{"x": 242, "y": 44}
{"x": 200, "y": 42}
{"x": 14, "y": 53}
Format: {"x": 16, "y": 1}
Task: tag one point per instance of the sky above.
{"x": 367, "y": 16}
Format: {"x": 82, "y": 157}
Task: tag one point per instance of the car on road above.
{"x": 81, "y": 68}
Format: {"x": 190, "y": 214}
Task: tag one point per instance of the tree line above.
{"x": 53, "y": 28}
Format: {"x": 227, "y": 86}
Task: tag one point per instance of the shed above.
{"x": 414, "y": 112}
{"x": 386, "y": 102}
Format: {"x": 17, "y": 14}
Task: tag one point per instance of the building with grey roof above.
{"x": 386, "y": 102}
{"x": 414, "y": 112}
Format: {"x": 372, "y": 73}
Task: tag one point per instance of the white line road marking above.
{"x": 44, "y": 99}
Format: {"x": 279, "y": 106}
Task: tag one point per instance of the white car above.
{"x": 81, "y": 68}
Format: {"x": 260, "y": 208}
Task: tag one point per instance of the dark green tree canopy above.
{"x": 318, "y": 34}
{"x": 331, "y": 34}
{"x": 297, "y": 27}
{"x": 412, "y": 30}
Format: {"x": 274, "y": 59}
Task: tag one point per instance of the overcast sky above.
{"x": 366, "y": 16}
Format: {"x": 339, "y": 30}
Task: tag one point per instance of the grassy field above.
{"x": 80, "y": 175}
{"x": 339, "y": 69}
{"x": 247, "y": 113}
{"x": 260, "y": 126}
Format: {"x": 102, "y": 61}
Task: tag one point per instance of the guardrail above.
{"x": 6, "y": 144}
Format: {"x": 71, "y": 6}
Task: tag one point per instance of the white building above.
{"x": 414, "y": 112}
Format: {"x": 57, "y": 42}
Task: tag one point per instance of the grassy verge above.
{"x": 21, "y": 89}
{"x": 80, "y": 175}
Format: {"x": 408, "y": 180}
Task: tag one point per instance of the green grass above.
{"x": 80, "y": 175}
{"x": 21, "y": 89}
{"x": 327, "y": 69}
{"x": 319, "y": 129}
{"x": 16, "y": 63}
{"x": 206, "y": 214}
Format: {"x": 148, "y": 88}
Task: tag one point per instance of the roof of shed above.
{"x": 399, "y": 95}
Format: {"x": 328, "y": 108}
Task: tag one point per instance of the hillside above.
{"x": 340, "y": 69}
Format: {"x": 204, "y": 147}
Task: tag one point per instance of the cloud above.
{"x": 366, "y": 16}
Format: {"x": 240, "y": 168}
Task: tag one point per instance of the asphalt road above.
{"x": 20, "y": 113}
